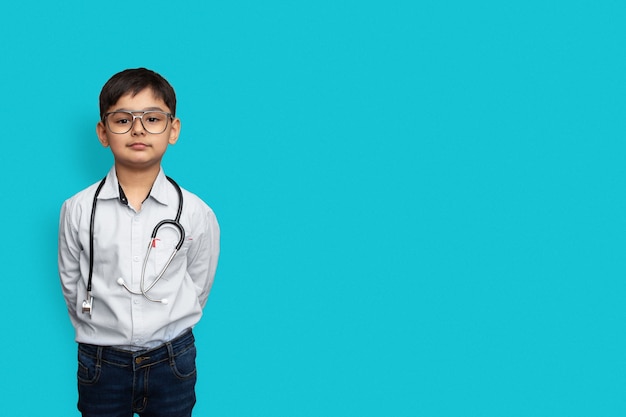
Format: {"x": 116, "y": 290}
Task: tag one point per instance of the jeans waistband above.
{"x": 141, "y": 358}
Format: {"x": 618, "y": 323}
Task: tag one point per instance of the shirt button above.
{"x": 136, "y": 301}
{"x": 136, "y": 258}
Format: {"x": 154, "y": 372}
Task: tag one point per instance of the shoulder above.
{"x": 82, "y": 199}
{"x": 194, "y": 203}
{"x": 197, "y": 212}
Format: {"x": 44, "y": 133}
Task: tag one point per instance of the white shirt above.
{"x": 121, "y": 239}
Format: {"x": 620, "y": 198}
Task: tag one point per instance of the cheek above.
{"x": 115, "y": 145}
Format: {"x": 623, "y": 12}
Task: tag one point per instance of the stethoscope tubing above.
{"x": 143, "y": 289}
{"x": 91, "y": 233}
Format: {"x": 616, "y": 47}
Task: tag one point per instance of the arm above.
{"x": 203, "y": 255}
{"x": 69, "y": 260}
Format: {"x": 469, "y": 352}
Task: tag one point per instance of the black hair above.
{"x": 134, "y": 81}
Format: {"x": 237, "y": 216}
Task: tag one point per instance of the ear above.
{"x": 101, "y": 130}
{"x": 174, "y": 131}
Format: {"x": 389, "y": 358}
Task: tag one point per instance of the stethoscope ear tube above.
{"x": 176, "y": 224}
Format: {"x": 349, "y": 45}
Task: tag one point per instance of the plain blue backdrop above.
{"x": 422, "y": 204}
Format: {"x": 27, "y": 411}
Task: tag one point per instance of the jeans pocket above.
{"x": 184, "y": 364}
{"x": 88, "y": 368}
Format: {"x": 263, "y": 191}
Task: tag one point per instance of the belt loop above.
{"x": 170, "y": 351}
{"x": 99, "y": 356}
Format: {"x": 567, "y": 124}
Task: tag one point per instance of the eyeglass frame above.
{"x": 170, "y": 116}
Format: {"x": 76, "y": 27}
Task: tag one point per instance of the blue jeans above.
{"x": 158, "y": 382}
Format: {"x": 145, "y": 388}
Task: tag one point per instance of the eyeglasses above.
{"x": 154, "y": 122}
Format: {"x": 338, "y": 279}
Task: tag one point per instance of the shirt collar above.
{"x": 112, "y": 188}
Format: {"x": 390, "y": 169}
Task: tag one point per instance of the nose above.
{"x": 137, "y": 127}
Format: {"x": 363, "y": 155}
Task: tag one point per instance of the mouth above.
{"x": 138, "y": 145}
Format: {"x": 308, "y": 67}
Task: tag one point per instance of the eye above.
{"x": 120, "y": 118}
{"x": 153, "y": 117}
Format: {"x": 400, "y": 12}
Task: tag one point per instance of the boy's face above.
{"x": 137, "y": 148}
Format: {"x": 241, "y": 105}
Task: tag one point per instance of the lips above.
{"x": 138, "y": 145}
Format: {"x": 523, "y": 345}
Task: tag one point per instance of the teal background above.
{"x": 422, "y": 203}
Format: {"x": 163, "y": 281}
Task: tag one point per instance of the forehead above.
{"x": 143, "y": 100}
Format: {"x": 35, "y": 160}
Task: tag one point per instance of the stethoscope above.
{"x": 143, "y": 290}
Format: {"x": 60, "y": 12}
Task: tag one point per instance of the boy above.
{"x": 137, "y": 258}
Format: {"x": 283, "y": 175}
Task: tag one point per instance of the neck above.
{"x": 136, "y": 183}
{"x": 136, "y": 178}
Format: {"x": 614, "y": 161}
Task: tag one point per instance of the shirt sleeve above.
{"x": 204, "y": 254}
{"x": 69, "y": 259}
